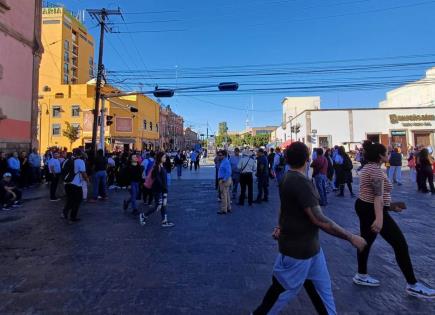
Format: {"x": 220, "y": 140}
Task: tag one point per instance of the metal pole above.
{"x": 98, "y": 87}
{"x": 102, "y": 123}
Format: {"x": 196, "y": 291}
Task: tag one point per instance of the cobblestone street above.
{"x": 206, "y": 264}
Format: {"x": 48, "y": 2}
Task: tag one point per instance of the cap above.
{"x": 7, "y": 175}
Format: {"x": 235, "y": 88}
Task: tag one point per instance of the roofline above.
{"x": 350, "y": 108}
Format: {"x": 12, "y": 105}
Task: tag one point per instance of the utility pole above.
{"x": 101, "y": 15}
{"x": 102, "y": 123}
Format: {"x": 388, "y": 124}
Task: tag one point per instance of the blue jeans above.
{"x": 236, "y": 180}
{"x": 134, "y": 191}
{"x": 320, "y": 180}
{"x": 279, "y": 173}
{"x": 395, "y": 174}
{"x": 292, "y": 273}
{"x": 179, "y": 170}
{"x": 99, "y": 177}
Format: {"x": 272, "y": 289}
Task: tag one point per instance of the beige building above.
{"x": 420, "y": 93}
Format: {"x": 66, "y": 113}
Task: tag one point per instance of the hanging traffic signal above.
{"x": 109, "y": 120}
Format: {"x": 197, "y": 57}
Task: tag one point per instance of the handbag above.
{"x": 149, "y": 181}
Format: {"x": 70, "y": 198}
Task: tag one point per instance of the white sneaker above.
{"x": 142, "y": 219}
{"x": 420, "y": 290}
{"x": 166, "y": 224}
{"x": 365, "y": 280}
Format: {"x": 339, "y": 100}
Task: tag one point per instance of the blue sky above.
{"x": 270, "y": 36}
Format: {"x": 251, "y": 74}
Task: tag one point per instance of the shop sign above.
{"x": 398, "y": 133}
{"x": 412, "y": 120}
{"x": 51, "y": 10}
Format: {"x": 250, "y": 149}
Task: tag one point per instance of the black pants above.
{"x": 246, "y": 180}
{"x": 349, "y": 185}
{"x": 53, "y": 185}
{"x": 426, "y": 175}
{"x": 276, "y": 289}
{"x": 74, "y": 196}
{"x": 390, "y": 232}
{"x": 147, "y": 195}
{"x": 263, "y": 188}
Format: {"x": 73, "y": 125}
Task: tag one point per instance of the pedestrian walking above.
{"x": 343, "y": 171}
{"x": 224, "y": 178}
{"x": 372, "y": 207}
{"x": 75, "y": 174}
{"x": 55, "y": 170}
{"x": 35, "y": 166}
{"x": 235, "y": 171}
{"x": 270, "y": 160}
{"x": 262, "y": 177}
{"x": 278, "y": 164}
{"x": 146, "y": 166}
{"x": 395, "y": 171}
{"x": 99, "y": 179}
{"x": 425, "y": 163}
{"x": 168, "y": 168}
{"x": 134, "y": 178}
{"x": 320, "y": 171}
{"x": 160, "y": 190}
{"x": 179, "y": 161}
{"x": 301, "y": 261}
{"x": 193, "y": 158}
{"x": 248, "y": 167}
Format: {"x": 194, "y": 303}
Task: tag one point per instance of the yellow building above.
{"x": 74, "y": 103}
{"x": 68, "y": 56}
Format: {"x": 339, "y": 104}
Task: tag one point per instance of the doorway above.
{"x": 422, "y": 139}
{"x": 398, "y": 140}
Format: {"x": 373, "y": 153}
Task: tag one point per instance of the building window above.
{"x": 145, "y": 124}
{"x": 66, "y": 45}
{"x": 74, "y": 37}
{"x": 151, "y": 125}
{"x": 75, "y": 50}
{"x": 157, "y": 127}
{"x": 75, "y": 111}
{"x": 56, "y": 111}
{"x": 66, "y": 56}
{"x": 65, "y": 79}
{"x": 77, "y": 126}
{"x": 55, "y": 129}
{"x": 65, "y": 68}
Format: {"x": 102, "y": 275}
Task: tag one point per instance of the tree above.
{"x": 72, "y": 133}
{"x": 260, "y": 140}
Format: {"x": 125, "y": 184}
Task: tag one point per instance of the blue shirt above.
{"x": 234, "y": 161}
{"x": 55, "y": 165}
{"x": 14, "y": 163}
{"x": 224, "y": 170}
{"x": 79, "y": 168}
{"x": 35, "y": 160}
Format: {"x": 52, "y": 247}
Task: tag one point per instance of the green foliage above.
{"x": 72, "y": 133}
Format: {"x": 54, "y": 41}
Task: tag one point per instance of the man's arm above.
{"x": 326, "y": 224}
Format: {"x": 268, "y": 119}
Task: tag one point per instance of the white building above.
{"x": 420, "y": 93}
{"x": 406, "y": 118}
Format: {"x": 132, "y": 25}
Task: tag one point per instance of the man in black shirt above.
{"x": 100, "y": 177}
{"x": 301, "y": 261}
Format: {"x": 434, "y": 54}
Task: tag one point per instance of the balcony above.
{"x": 75, "y": 50}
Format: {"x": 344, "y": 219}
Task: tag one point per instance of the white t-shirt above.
{"x": 79, "y": 167}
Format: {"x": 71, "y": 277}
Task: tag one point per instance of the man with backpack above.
{"x": 278, "y": 164}
{"x": 74, "y": 172}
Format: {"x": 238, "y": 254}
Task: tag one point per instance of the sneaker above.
{"x": 420, "y": 290}
{"x": 365, "y": 280}
{"x": 142, "y": 220}
{"x": 166, "y": 224}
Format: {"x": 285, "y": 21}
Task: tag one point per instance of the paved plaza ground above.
{"x": 206, "y": 264}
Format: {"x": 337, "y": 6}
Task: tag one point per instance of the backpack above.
{"x": 347, "y": 164}
{"x": 281, "y": 164}
{"x": 149, "y": 166}
{"x": 67, "y": 171}
{"x": 149, "y": 181}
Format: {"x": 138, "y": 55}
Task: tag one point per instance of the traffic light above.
{"x": 109, "y": 120}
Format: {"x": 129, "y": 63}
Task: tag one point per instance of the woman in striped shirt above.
{"x": 372, "y": 208}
